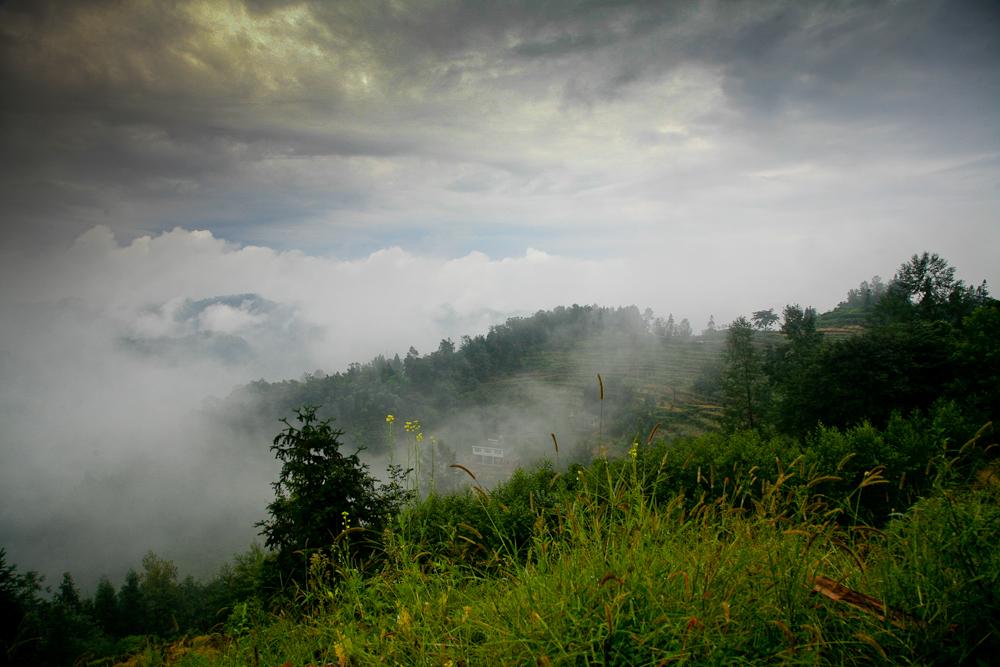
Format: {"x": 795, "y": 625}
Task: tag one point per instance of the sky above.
{"x": 197, "y": 194}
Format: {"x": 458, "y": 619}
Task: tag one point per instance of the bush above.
{"x": 322, "y": 495}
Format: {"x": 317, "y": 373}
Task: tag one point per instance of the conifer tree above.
{"x": 322, "y": 492}
{"x": 744, "y": 383}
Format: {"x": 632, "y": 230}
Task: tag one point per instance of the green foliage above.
{"x": 133, "y": 613}
{"x": 662, "y": 556}
{"x": 18, "y": 610}
{"x": 744, "y": 384}
{"x": 701, "y": 550}
{"x": 242, "y": 579}
{"x": 482, "y": 529}
{"x": 150, "y": 609}
{"x": 940, "y": 566}
{"x": 765, "y": 319}
{"x": 105, "y": 607}
{"x": 977, "y": 362}
{"x": 868, "y": 475}
{"x": 867, "y": 377}
{"x": 930, "y": 337}
{"x": 791, "y": 370}
{"x": 322, "y": 495}
{"x": 160, "y": 594}
{"x": 36, "y": 631}
{"x": 68, "y": 595}
{"x": 799, "y": 325}
{"x": 847, "y": 456}
{"x": 857, "y": 309}
{"x": 925, "y": 288}
{"x": 491, "y": 374}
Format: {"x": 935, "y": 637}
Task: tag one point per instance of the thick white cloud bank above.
{"x": 324, "y": 312}
{"x": 109, "y": 349}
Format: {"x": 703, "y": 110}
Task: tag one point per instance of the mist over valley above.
{"x": 140, "y": 417}
{"x": 467, "y": 333}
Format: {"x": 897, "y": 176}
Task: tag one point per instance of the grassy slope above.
{"x": 614, "y": 576}
{"x": 646, "y": 583}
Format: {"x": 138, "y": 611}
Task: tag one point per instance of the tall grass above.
{"x": 669, "y": 554}
{"x": 606, "y": 574}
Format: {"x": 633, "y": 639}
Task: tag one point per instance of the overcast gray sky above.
{"x": 380, "y": 174}
{"x": 745, "y": 140}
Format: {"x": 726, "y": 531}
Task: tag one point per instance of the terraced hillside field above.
{"x": 649, "y": 372}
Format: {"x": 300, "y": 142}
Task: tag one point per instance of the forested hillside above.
{"x": 824, "y": 494}
{"x": 923, "y": 337}
{"x": 521, "y": 381}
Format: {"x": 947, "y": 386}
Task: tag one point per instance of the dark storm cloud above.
{"x": 367, "y": 122}
{"x": 918, "y": 66}
{"x": 115, "y": 110}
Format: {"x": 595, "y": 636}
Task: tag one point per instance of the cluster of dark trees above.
{"x": 928, "y": 337}
{"x": 455, "y": 377}
{"x": 669, "y": 329}
{"x": 41, "y": 626}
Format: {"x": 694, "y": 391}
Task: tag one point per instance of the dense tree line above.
{"x": 928, "y": 338}
{"x": 42, "y": 626}
{"x": 454, "y": 377}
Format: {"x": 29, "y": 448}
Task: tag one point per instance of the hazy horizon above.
{"x": 198, "y": 194}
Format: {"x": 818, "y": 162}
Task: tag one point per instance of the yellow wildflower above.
{"x": 341, "y": 655}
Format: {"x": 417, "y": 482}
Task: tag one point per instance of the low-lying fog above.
{"x": 109, "y": 350}
{"x": 717, "y": 159}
